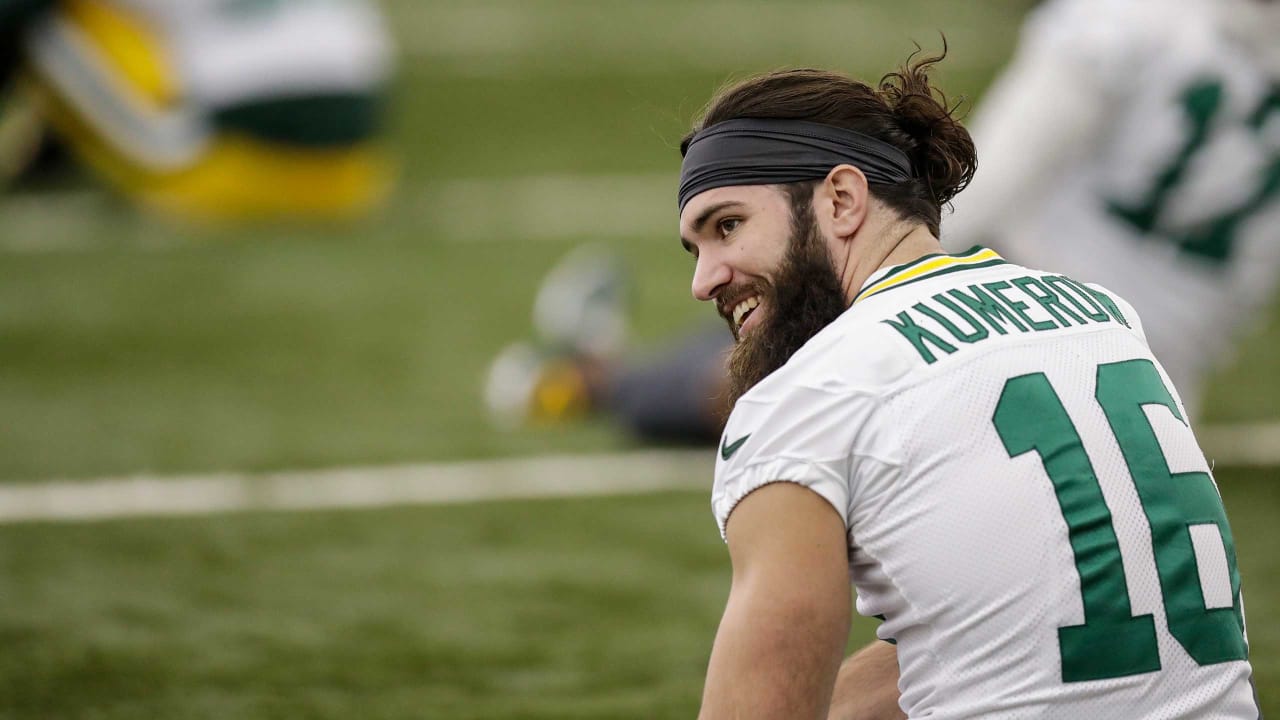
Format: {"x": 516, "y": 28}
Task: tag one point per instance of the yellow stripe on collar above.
{"x": 932, "y": 265}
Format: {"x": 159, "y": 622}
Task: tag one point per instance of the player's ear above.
{"x": 846, "y": 197}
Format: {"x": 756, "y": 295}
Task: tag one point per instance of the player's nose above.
{"x": 710, "y": 274}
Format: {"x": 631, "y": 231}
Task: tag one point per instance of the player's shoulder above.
{"x": 827, "y": 364}
{"x": 845, "y": 358}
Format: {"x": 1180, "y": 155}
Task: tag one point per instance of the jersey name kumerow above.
{"x": 1026, "y": 507}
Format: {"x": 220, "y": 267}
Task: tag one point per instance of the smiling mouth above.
{"x": 743, "y": 310}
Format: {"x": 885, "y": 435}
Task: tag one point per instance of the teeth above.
{"x": 743, "y": 308}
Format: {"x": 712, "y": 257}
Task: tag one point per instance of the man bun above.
{"x": 942, "y": 151}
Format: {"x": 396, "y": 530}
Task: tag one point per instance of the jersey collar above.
{"x": 927, "y": 267}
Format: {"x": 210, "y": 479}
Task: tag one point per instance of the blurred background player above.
{"x": 1137, "y": 145}
{"x": 1133, "y": 144}
{"x": 206, "y": 108}
{"x": 580, "y": 363}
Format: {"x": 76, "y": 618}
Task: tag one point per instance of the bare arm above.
{"x": 783, "y": 632}
{"x": 867, "y": 688}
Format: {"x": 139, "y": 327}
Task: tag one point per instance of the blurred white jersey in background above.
{"x": 219, "y": 107}
{"x": 230, "y": 51}
{"x": 1136, "y": 144}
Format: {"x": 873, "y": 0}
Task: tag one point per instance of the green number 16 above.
{"x": 1112, "y": 642}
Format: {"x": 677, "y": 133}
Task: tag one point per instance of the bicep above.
{"x": 783, "y": 633}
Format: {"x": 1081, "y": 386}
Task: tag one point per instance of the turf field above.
{"x": 599, "y": 608}
{"x": 524, "y": 128}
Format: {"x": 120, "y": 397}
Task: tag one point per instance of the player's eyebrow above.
{"x": 702, "y": 219}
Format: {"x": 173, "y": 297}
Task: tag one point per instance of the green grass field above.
{"x": 133, "y": 345}
{"x": 592, "y": 608}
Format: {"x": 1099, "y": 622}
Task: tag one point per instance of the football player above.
{"x": 218, "y": 108}
{"x": 580, "y": 365}
{"x": 1137, "y": 145}
{"x": 989, "y": 453}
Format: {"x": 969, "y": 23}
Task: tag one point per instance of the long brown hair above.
{"x": 904, "y": 111}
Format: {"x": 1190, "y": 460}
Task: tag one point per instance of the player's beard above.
{"x": 804, "y": 296}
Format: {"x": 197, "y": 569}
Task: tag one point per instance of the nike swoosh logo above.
{"x": 727, "y": 451}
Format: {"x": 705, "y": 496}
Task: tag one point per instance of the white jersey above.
{"x": 187, "y": 59}
{"x": 1026, "y": 508}
{"x": 1136, "y": 144}
{"x": 231, "y": 51}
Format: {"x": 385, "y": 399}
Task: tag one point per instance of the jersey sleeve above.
{"x": 799, "y": 434}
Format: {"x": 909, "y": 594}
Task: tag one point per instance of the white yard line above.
{"x": 429, "y": 484}
{"x": 447, "y": 483}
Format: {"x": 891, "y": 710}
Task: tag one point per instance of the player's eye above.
{"x": 728, "y": 225}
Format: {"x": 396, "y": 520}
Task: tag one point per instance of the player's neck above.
{"x": 914, "y": 245}
{"x": 898, "y": 248}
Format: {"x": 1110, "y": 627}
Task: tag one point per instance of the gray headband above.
{"x": 751, "y": 151}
